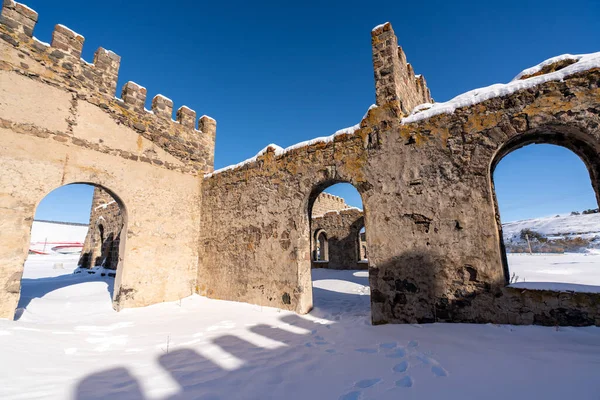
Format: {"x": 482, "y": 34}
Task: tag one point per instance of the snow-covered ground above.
{"x": 70, "y": 344}
{"x": 557, "y": 271}
{"x": 569, "y": 271}
{"x": 53, "y": 237}
{"x": 586, "y": 226}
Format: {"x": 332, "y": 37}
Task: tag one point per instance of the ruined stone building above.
{"x": 336, "y": 238}
{"x": 101, "y": 245}
{"x": 424, "y": 172}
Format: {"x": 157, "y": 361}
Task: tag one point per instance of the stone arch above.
{"x": 586, "y": 146}
{"x": 321, "y": 246}
{"x": 304, "y": 268}
{"x": 97, "y": 232}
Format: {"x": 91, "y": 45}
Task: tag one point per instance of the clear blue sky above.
{"x": 283, "y": 72}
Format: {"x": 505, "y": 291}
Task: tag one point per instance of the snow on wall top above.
{"x": 553, "y": 60}
{"x": 69, "y": 30}
{"x": 278, "y": 150}
{"x": 584, "y": 62}
{"x": 379, "y": 26}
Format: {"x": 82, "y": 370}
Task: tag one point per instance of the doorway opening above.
{"x": 74, "y": 254}
{"x": 339, "y": 252}
{"x": 549, "y": 219}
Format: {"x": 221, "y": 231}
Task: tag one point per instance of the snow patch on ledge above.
{"x": 164, "y": 97}
{"x": 537, "y": 68}
{"x": 278, "y": 150}
{"x": 26, "y": 7}
{"x": 70, "y": 30}
{"x": 379, "y": 26}
{"x": 41, "y": 42}
{"x": 585, "y": 62}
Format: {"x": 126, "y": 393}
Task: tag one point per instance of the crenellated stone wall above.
{"x": 328, "y": 202}
{"x": 60, "y": 123}
{"x": 92, "y": 88}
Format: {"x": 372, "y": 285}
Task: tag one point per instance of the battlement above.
{"x": 60, "y": 64}
{"x": 395, "y": 79}
{"x": 327, "y": 202}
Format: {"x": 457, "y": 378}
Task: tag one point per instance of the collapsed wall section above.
{"x": 433, "y": 229}
{"x": 255, "y": 227}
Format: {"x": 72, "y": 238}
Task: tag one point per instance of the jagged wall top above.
{"x": 61, "y": 63}
{"x": 395, "y": 79}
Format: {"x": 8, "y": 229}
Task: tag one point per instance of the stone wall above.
{"x": 328, "y": 202}
{"x": 60, "y": 123}
{"x": 344, "y": 245}
{"x": 435, "y": 250}
{"x": 244, "y": 234}
{"x": 102, "y": 242}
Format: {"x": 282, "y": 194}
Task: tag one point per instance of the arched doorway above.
{"x": 338, "y": 241}
{"x": 321, "y": 251}
{"x": 76, "y": 245}
{"x": 363, "y": 255}
{"x": 548, "y": 216}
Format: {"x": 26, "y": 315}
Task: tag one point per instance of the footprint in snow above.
{"x": 389, "y": 345}
{"x": 413, "y": 343}
{"x": 320, "y": 341}
{"x": 366, "y": 350}
{"x": 405, "y": 382}
{"x": 397, "y": 353}
{"x": 367, "y": 383}
{"x": 438, "y": 370}
{"x": 355, "y": 395}
{"x": 402, "y": 367}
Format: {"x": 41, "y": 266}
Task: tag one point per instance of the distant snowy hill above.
{"x": 585, "y": 226}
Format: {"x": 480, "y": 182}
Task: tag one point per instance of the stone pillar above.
{"x": 107, "y": 65}
{"x": 395, "y": 80}
{"x": 134, "y": 95}
{"x": 186, "y": 117}
{"x": 18, "y": 17}
{"x": 68, "y": 41}
{"x": 162, "y": 107}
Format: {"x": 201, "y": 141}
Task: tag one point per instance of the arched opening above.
{"x": 338, "y": 246}
{"x": 548, "y": 216}
{"x": 363, "y": 255}
{"x": 77, "y": 239}
{"x": 321, "y": 251}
